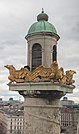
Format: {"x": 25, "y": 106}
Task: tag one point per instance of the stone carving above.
{"x": 57, "y": 73}
{"x": 68, "y": 78}
{"x": 41, "y": 74}
{"x": 17, "y": 75}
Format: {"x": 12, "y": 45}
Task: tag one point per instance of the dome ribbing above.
{"x": 42, "y": 26}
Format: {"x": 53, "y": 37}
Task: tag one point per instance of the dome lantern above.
{"x": 42, "y": 16}
{"x": 42, "y": 40}
{"x": 42, "y": 26}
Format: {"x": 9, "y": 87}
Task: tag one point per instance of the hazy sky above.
{"x": 16, "y": 16}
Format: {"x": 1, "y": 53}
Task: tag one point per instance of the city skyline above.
{"x": 16, "y": 18}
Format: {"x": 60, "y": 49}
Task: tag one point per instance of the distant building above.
{"x": 78, "y": 127}
{"x": 66, "y": 102}
{"x": 11, "y": 122}
{"x": 16, "y": 104}
{"x": 0, "y": 100}
{"x": 11, "y": 117}
{"x": 69, "y": 116}
{"x": 11, "y": 99}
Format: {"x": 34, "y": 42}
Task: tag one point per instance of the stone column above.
{"x": 41, "y": 105}
{"x": 41, "y": 112}
{"x": 78, "y": 127}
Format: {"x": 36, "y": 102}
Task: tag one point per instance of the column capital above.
{"x": 42, "y": 94}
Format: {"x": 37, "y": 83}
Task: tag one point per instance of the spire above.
{"x": 42, "y": 10}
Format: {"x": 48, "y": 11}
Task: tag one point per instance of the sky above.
{"x": 16, "y": 17}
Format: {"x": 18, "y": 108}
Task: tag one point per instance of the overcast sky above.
{"x": 16, "y": 16}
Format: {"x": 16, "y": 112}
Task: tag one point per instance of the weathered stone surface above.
{"x": 42, "y": 116}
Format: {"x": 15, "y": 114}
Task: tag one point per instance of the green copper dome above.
{"x": 42, "y": 26}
